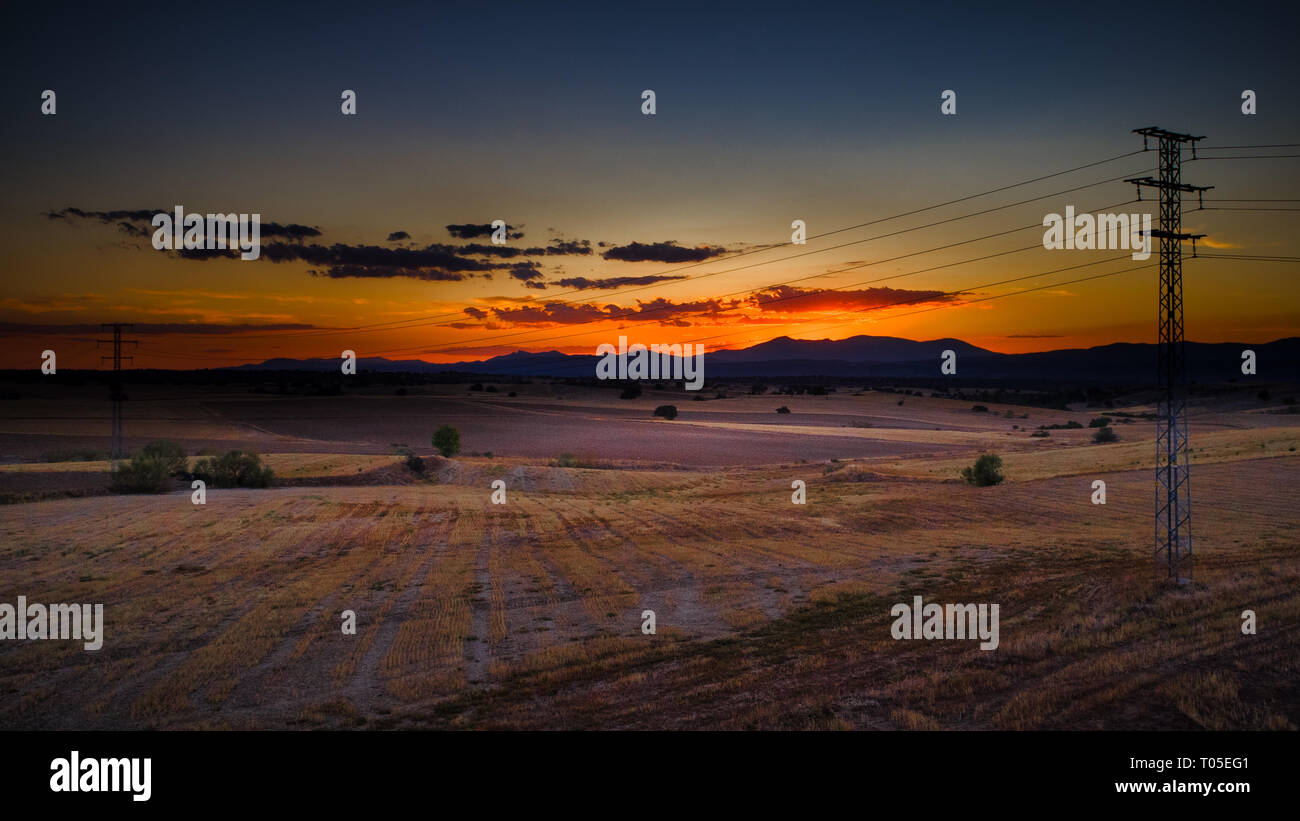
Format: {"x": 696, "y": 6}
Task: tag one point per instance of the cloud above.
{"x": 567, "y": 313}
{"x": 475, "y": 230}
{"x": 787, "y": 299}
{"x": 385, "y": 272}
{"x": 435, "y": 262}
{"x": 583, "y": 283}
{"x": 139, "y": 222}
{"x": 660, "y": 252}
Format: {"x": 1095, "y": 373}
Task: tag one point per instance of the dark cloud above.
{"x": 661, "y": 252}
{"x": 787, "y": 299}
{"x": 398, "y": 236}
{"x": 582, "y": 283}
{"x": 563, "y": 313}
{"x": 385, "y": 272}
{"x": 576, "y": 247}
{"x": 477, "y": 313}
{"x": 139, "y": 222}
{"x": 337, "y": 261}
{"x": 525, "y": 272}
{"x": 475, "y": 230}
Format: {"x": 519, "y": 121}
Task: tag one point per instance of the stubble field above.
{"x": 529, "y": 614}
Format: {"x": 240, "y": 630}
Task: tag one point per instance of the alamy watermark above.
{"x": 210, "y": 232}
{"x": 77, "y": 774}
{"x": 952, "y": 621}
{"x": 684, "y": 362}
{"x": 54, "y": 622}
{"x": 1084, "y": 232}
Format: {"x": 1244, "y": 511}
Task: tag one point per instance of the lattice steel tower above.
{"x": 1173, "y": 526}
{"x": 117, "y": 341}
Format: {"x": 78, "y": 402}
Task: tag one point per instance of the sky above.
{"x": 668, "y": 227}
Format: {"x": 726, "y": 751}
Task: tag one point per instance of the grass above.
{"x": 769, "y": 614}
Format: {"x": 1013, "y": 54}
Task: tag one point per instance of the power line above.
{"x": 1249, "y": 157}
{"x": 1226, "y": 147}
{"x": 516, "y": 370}
{"x": 637, "y": 313}
{"x": 418, "y": 322}
{"x": 1245, "y": 209}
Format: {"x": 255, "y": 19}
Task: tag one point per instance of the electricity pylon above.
{"x": 116, "y": 389}
{"x": 1173, "y": 526}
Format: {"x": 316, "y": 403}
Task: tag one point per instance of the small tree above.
{"x": 446, "y": 440}
{"x": 666, "y": 411}
{"x": 986, "y": 471}
{"x": 234, "y": 469}
{"x": 632, "y": 391}
{"x": 783, "y": 409}
{"x": 1099, "y": 422}
{"x": 169, "y": 453}
{"x": 143, "y": 474}
{"x": 1104, "y": 436}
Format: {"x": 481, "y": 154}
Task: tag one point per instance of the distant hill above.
{"x": 880, "y": 356}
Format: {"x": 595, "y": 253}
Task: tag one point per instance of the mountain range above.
{"x": 881, "y": 356}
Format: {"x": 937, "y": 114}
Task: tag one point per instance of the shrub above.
{"x": 142, "y": 474}
{"x": 666, "y": 411}
{"x": 1104, "y": 435}
{"x": 980, "y": 409}
{"x": 783, "y": 409}
{"x": 986, "y": 471}
{"x": 1264, "y": 396}
{"x": 512, "y": 393}
{"x": 234, "y": 469}
{"x": 630, "y": 392}
{"x": 1040, "y": 434}
{"x": 1099, "y": 422}
{"x": 447, "y": 441}
{"x": 168, "y": 452}
{"x": 415, "y": 464}
{"x": 565, "y": 460}
{"x": 477, "y": 386}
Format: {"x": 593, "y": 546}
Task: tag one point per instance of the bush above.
{"x": 1099, "y": 422}
{"x": 447, "y": 441}
{"x": 142, "y": 474}
{"x": 1040, "y": 434}
{"x": 630, "y": 392}
{"x": 1104, "y": 435}
{"x": 783, "y": 409}
{"x": 565, "y": 460}
{"x": 415, "y": 464}
{"x": 980, "y": 409}
{"x": 1264, "y": 396}
{"x": 168, "y": 452}
{"x": 986, "y": 471}
{"x": 666, "y": 411}
{"x": 234, "y": 469}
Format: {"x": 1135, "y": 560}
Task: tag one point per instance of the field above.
{"x": 528, "y": 614}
